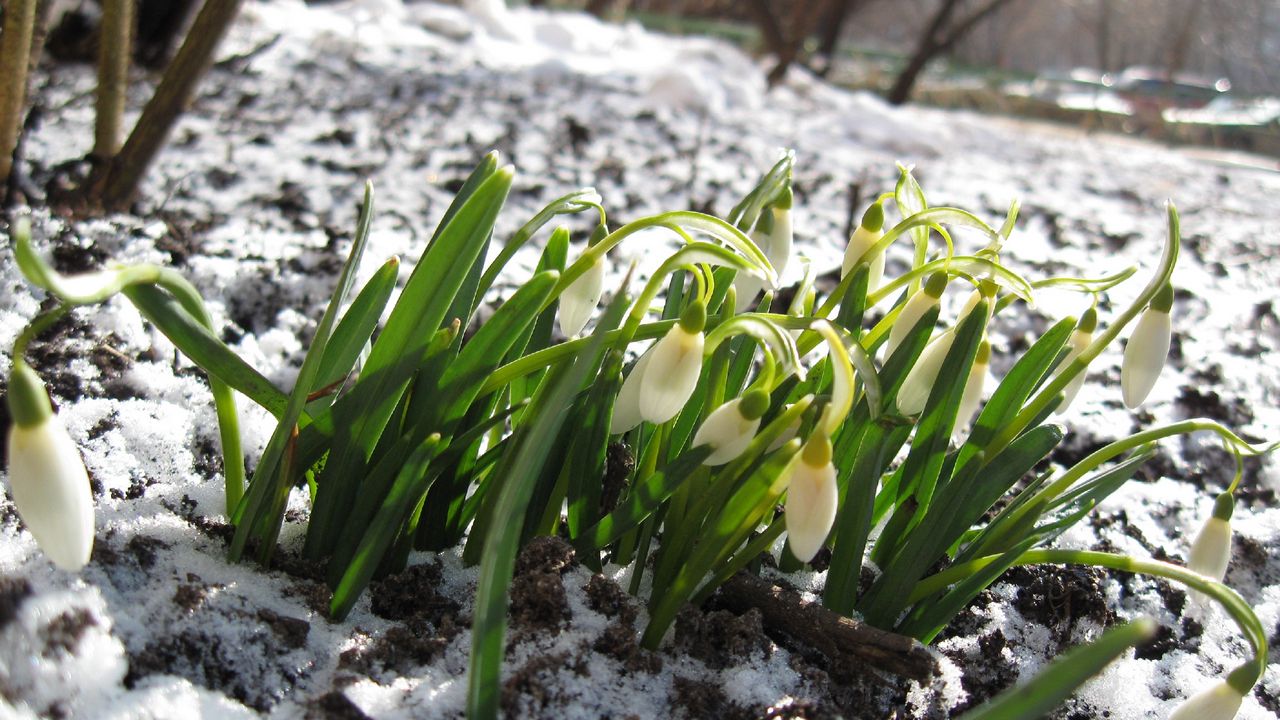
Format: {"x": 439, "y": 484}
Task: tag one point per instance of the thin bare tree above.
{"x": 945, "y": 28}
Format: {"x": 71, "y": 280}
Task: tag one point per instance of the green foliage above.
{"x": 444, "y": 423}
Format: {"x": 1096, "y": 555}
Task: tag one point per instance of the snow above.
{"x": 410, "y": 95}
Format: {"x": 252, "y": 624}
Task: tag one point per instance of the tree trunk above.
{"x": 15, "y": 56}
{"x": 116, "y": 185}
{"x": 830, "y": 33}
{"x": 114, "y": 44}
{"x": 940, "y": 37}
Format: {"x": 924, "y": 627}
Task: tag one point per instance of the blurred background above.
{"x": 1201, "y": 72}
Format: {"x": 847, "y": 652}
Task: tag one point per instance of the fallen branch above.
{"x": 835, "y": 636}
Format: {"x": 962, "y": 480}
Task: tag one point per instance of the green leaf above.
{"x": 589, "y": 452}
{"x": 358, "y": 323}
{"x": 396, "y": 354}
{"x": 1055, "y": 683}
{"x": 260, "y": 513}
{"x": 204, "y": 348}
{"x": 646, "y": 497}
{"x": 519, "y": 468}
{"x": 410, "y": 485}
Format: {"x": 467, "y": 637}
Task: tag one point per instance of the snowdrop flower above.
{"x": 774, "y": 236}
{"x": 971, "y": 398}
{"x": 1211, "y": 550}
{"x": 810, "y": 511}
{"x": 1221, "y": 701}
{"x": 916, "y": 306}
{"x": 1147, "y": 349}
{"x": 869, "y": 232}
{"x": 730, "y": 428}
{"x": 579, "y": 300}
{"x": 46, "y": 475}
{"x": 665, "y": 376}
{"x": 1079, "y": 340}
{"x": 919, "y": 381}
{"x": 916, "y": 387}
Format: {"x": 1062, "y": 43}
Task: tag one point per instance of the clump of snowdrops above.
{"x": 747, "y": 423}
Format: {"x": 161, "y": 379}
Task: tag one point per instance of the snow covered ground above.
{"x": 254, "y": 200}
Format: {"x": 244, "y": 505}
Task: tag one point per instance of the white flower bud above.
{"x": 1217, "y": 702}
{"x": 47, "y": 478}
{"x": 728, "y": 431}
{"x": 916, "y": 306}
{"x": 811, "y": 497}
{"x": 915, "y": 389}
{"x": 1211, "y": 551}
{"x": 672, "y": 373}
{"x": 626, "y": 408}
{"x": 1080, "y": 339}
{"x": 579, "y": 300}
{"x": 1147, "y": 350}
{"x": 862, "y": 241}
{"x": 971, "y": 398}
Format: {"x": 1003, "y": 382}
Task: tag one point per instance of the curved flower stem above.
{"x": 1049, "y": 393}
{"x": 1109, "y": 452}
{"x": 37, "y": 325}
{"x": 224, "y": 398}
{"x": 551, "y": 355}
{"x": 1230, "y": 600}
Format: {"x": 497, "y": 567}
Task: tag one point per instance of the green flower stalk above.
{"x": 46, "y": 475}
{"x": 1147, "y": 349}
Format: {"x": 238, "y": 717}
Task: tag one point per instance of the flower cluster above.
{"x": 897, "y": 446}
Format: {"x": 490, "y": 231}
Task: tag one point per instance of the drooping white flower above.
{"x": 1211, "y": 551}
{"x": 730, "y": 428}
{"x": 971, "y": 398}
{"x": 1147, "y": 349}
{"x": 924, "y": 300}
{"x": 747, "y": 286}
{"x": 626, "y": 408}
{"x": 46, "y": 475}
{"x": 1080, "y": 339}
{"x": 579, "y": 300}
{"x": 664, "y": 377}
{"x": 1220, "y": 701}
{"x": 811, "y": 497}
{"x": 672, "y": 373}
{"x": 915, "y": 389}
{"x": 869, "y": 232}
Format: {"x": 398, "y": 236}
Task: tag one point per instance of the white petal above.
{"x": 1144, "y": 356}
{"x": 747, "y": 287}
{"x": 672, "y": 374}
{"x": 626, "y": 408}
{"x": 727, "y": 432}
{"x": 1211, "y": 551}
{"x": 780, "y": 241}
{"x": 811, "y": 506}
{"x": 919, "y": 381}
{"x": 579, "y": 300}
{"x": 971, "y": 398}
{"x": 1218, "y": 702}
{"x": 915, "y": 308}
{"x": 1078, "y": 342}
{"x": 51, "y": 491}
{"x": 859, "y": 243}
